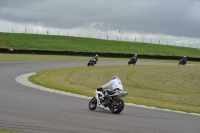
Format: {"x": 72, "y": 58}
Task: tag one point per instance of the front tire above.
{"x": 93, "y": 104}
{"x": 129, "y": 62}
{"x": 120, "y": 106}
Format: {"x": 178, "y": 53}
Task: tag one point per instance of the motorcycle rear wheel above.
{"x": 120, "y": 106}
{"x": 93, "y": 104}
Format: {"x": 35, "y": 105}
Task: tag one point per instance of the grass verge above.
{"x": 171, "y": 87}
{"x": 7, "y": 131}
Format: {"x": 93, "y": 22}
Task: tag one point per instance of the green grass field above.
{"x": 7, "y": 131}
{"x": 55, "y": 42}
{"x": 171, "y": 87}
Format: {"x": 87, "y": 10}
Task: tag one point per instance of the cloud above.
{"x": 141, "y": 18}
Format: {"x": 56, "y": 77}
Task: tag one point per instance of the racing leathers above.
{"x": 96, "y": 58}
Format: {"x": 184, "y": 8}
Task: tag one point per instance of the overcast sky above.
{"x": 170, "y": 21}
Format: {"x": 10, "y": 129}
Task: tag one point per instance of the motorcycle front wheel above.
{"x": 119, "y": 107}
{"x": 129, "y": 62}
{"x": 93, "y": 104}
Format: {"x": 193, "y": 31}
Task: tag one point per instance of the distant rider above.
{"x": 134, "y": 58}
{"x": 116, "y": 85}
{"x": 96, "y": 58}
{"x": 184, "y": 59}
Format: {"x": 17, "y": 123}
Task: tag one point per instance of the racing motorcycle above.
{"x": 110, "y": 99}
{"x": 91, "y": 62}
{"x": 181, "y": 62}
{"x": 132, "y": 61}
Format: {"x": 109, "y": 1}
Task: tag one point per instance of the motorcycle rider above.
{"x": 96, "y": 58}
{"x": 134, "y": 58}
{"x": 116, "y": 85}
{"x": 184, "y": 59}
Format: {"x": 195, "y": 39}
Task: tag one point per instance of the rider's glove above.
{"x": 99, "y": 89}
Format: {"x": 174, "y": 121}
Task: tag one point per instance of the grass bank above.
{"x": 172, "y": 87}
{"x": 7, "y": 131}
{"x": 55, "y": 42}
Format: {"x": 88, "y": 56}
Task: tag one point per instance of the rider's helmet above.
{"x": 135, "y": 54}
{"x": 184, "y": 56}
{"x": 96, "y": 55}
{"x": 114, "y": 77}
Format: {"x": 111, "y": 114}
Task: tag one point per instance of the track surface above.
{"x": 32, "y": 111}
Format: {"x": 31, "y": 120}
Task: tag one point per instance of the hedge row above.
{"x": 118, "y": 55}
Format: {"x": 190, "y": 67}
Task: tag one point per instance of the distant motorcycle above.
{"x": 132, "y": 61}
{"x": 181, "y": 62}
{"x": 91, "y": 62}
{"x": 112, "y": 100}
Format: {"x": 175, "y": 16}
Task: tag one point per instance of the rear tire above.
{"x": 129, "y": 62}
{"x": 93, "y": 104}
{"x": 119, "y": 108}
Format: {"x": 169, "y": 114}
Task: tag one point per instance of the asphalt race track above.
{"x": 30, "y": 110}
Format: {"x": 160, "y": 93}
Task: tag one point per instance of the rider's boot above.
{"x": 99, "y": 105}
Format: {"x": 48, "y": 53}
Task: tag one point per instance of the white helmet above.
{"x": 184, "y": 56}
{"x": 136, "y": 54}
{"x": 96, "y": 55}
{"x": 114, "y": 77}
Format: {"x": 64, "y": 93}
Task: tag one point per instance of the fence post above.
{"x": 37, "y": 31}
{"x": 12, "y": 29}
{"x": 117, "y": 38}
{"x": 135, "y": 39}
{"x": 151, "y": 41}
{"x": 25, "y": 30}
